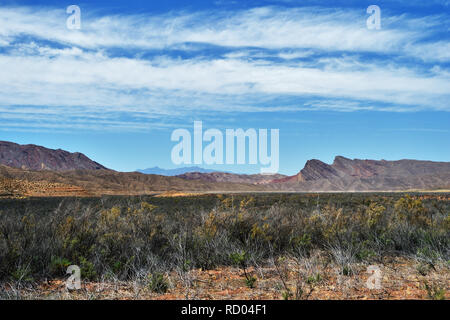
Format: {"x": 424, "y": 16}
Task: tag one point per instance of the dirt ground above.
{"x": 400, "y": 279}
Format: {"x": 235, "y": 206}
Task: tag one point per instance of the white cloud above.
{"x": 288, "y": 55}
{"x": 262, "y": 27}
{"x": 73, "y": 70}
{"x": 90, "y": 80}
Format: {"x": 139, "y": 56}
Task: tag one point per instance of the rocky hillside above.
{"x": 173, "y": 172}
{"x": 32, "y": 157}
{"x": 231, "y": 177}
{"x": 366, "y": 175}
{"x": 98, "y": 182}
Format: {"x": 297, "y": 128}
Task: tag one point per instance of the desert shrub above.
{"x": 364, "y": 251}
{"x": 87, "y": 269}
{"x": 413, "y": 211}
{"x": 59, "y": 265}
{"x": 121, "y": 236}
{"x": 302, "y": 244}
{"x": 158, "y": 283}
{"x": 240, "y": 259}
{"x": 314, "y": 279}
{"x": 22, "y": 274}
{"x": 374, "y": 214}
{"x": 344, "y": 257}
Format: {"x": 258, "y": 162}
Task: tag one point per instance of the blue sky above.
{"x": 136, "y": 70}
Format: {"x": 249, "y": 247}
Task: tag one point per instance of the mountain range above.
{"x": 36, "y": 170}
{"x": 33, "y": 157}
{"x": 369, "y": 175}
{"x": 173, "y": 172}
{"x": 232, "y": 177}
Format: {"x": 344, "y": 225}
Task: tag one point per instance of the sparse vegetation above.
{"x": 125, "y": 237}
{"x": 434, "y": 291}
{"x": 158, "y": 283}
{"x": 240, "y": 259}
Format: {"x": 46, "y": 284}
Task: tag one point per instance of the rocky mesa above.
{"x": 369, "y": 175}
{"x": 33, "y": 157}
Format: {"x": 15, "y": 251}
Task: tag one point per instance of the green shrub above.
{"x": 240, "y": 259}
{"x": 59, "y": 265}
{"x": 87, "y": 269}
{"x": 22, "y": 274}
{"x": 250, "y": 282}
{"x": 158, "y": 283}
{"x": 314, "y": 279}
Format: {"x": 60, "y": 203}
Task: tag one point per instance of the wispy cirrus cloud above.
{"x": 264, "y": 59}
{"x": 267, "y": 27}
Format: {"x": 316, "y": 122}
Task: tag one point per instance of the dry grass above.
{"x": 400, "y": 280}
{"x": 214, "y": 246}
